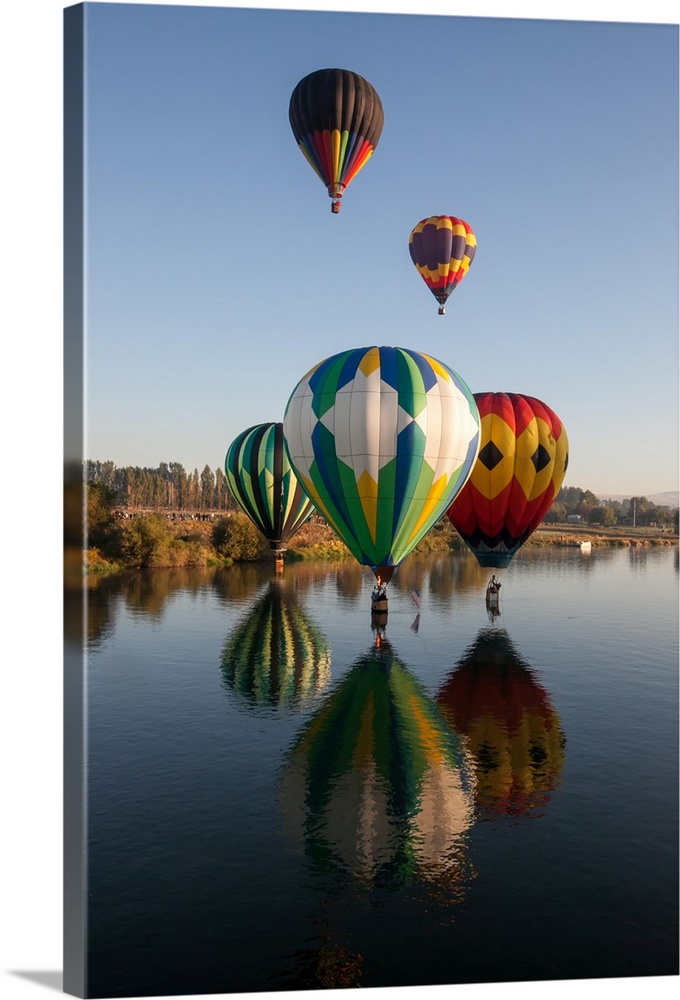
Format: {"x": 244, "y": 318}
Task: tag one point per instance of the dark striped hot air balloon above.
{"x": 337, "y": 118}
{"x": 276, "y": 657}
{"x": 381, "y": 439}
{"x": 520, "y": 468}
{"x": 261, "y": 479}
{"x": 442, "y": 248}
{"x": 494, "y": 700}
{"x": 377, "y": 786}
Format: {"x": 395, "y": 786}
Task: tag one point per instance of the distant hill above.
{"x": 669, "y": 499}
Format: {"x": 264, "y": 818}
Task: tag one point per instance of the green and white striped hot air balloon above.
{"x": 262, "y": 481}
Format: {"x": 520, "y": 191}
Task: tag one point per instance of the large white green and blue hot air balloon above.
{"x": 262, "y": 481}
{"x": 381, "y": 440}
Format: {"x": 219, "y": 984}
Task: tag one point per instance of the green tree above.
{"x": 207, "y": 489}
{"x": 596, "y": 515}
{"x": 221, "y": 490}
{"x": 609, "y": 515}
{"x": 557, "y": 514}
{"x": 571, "y": 497}
{"x": 101, "y": 526}
{"x": 236, "y": 537}
{"x": 637, "y": 510}
{"x": 178, "y": 480}
{"x": 158, "y": 492}
{"x": 193, "y": 498}
{"x": 147, "y": 540}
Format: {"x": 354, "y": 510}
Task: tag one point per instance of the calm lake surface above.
{"x": 285, "y": 795}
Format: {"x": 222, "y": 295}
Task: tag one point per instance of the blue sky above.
{"x": 217, "y": 275}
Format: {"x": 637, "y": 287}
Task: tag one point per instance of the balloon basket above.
{"x": 493, "y": 596}
{"x": 379, "y": 623}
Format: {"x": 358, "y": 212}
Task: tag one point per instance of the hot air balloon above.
{"x": 381, "y": 439}
{"x": 494, "y": 700}
{"x": 521, "y": 465}
{"x": 263, "y": 483}
{"x": 377, "y": 785}
{"x": 336, "y": 117}
{"x": 276, "y": 657}
{"x": 442, "y": 248}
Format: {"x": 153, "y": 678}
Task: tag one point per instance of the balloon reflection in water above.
{"x": 494, "y": 700}
{"x": 276, "y": 657}
{"x": 378, "y": 785}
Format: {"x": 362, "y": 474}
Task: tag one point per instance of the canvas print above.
{"x": 371, "y": 500}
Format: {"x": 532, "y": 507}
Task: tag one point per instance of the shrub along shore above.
{"x": 154, "y": 540}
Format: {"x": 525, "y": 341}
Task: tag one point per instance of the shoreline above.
{"x": 318, "y": 542}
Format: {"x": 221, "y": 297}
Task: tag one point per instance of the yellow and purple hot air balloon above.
{"x": 520, "y": 468}
{"x": 381, "y": 440}
{"x": 263, "y": 483}
{"x": 495, "y": 701}
{"x": 442, "y": 247}
{"x": 337, "y": 119}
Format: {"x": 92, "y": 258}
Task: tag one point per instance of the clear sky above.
{"x": 217, "y": 275}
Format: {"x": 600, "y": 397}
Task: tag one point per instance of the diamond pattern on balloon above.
{"x": 541, "y": 458}
{"x": 490, "y": 456}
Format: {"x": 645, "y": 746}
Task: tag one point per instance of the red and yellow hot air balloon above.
{"x": 337, "y": 119}
{"x": 520, "y": 468}
{"x": 442, "y": 248}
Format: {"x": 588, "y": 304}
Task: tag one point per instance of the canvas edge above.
{"x": 74, "y": 700}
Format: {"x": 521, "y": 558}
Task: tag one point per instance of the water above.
{"x": 283, "y": 796}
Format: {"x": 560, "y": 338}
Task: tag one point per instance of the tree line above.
{"x": 167, "y": 487}
{"x": 171, "y": 487}
{"x": 637, "y": 511}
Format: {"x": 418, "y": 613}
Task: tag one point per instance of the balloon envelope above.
{"x": 262, "y": 481}
{"x": 381, "y": 439}
{"x": 337, "y": 118}
{"x": 521, "y": 465}
{"x": 442, "y": 247}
